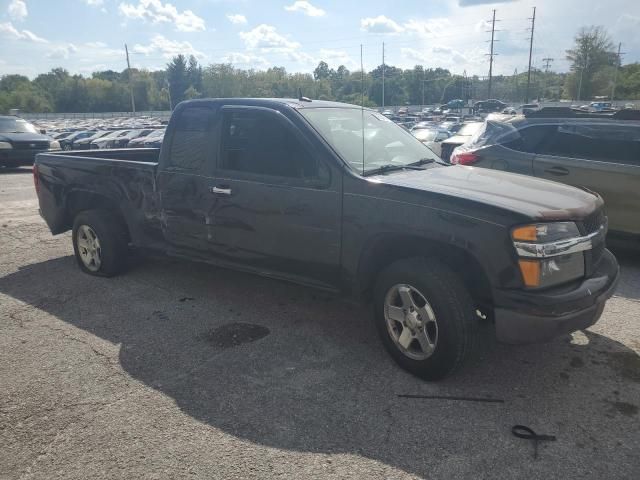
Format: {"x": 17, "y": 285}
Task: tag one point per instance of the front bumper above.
{"x": 532, "y": 317}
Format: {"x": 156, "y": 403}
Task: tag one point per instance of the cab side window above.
{"x": 258, "y": 142}
{"x": 191, "y": 142}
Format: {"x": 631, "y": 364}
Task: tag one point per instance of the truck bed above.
{"x": 122, "y": 179}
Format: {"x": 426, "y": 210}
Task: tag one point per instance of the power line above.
{"x": 533, "y": 26}
{"x": 547, "y": 62}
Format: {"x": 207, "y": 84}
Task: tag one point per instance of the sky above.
{"x": 84, "y": 36}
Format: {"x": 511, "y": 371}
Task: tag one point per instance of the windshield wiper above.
{"x": 389, "y": 167}
{"x": 425, "y": 160}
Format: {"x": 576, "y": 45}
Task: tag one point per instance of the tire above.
{"x": 101, "y": 233}
{"x": 446, "y": 323}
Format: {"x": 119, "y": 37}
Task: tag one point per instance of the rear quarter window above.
{"x": 191, "y": 143}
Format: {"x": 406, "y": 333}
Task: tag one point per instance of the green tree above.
{"x": 592, "y": 51}
{"x": 178, "y": 78}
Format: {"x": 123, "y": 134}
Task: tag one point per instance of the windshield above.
{"x": 16, "y": 125}
{"x": 385, "y": 143}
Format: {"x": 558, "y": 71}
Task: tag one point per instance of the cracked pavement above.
{"x": 128, "y": 378}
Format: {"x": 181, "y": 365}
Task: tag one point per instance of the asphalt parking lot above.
{"x": 180, "y": 370}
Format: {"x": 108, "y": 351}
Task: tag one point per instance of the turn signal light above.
{"x": 528, "y": 233}
{"x": 530, "y": 272}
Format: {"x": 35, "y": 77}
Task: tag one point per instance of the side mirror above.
{"x": 43, "y": 131}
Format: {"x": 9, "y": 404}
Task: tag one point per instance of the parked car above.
{"x": 489, "y": 106}
{"x": 122, "y": 141}
{"x": 60, "y": 135}
{"x": 431, "y": 137}
{"x": 140, "y": 141}
{"x": 451, "y": 127}
{"x": 20, "y": 142}
{"x": 461, "y": 136}
{"x": 594, "y": 151}
{"x": 155, "y": 139}
{"x": 297, "y": 192}
{"x": 455, "y": 104}
{"x": 423, "y": 124}
{"x": 107, "y": 141}
{"x": 85, "y": 143}
{"x": 601, "y": 107}
{"x": 67, "y": 142}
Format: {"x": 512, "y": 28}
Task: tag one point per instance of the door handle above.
{"x": 220, "y": 190}
{"x": 557, "y": 171}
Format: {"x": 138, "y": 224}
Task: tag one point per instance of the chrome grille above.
{"x": 593, "y": 222}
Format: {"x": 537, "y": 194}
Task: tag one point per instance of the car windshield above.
{"x": 16, "y": 125}
{"x": 384, "y": 143}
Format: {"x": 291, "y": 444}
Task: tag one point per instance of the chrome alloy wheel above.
{"x": 89, "y": 248}
{"x": 411, "y": 321}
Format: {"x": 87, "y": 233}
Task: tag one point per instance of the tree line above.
{"x": 594, "y": 65}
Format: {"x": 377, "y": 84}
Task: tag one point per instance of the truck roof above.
{"x": 272, "y": 102}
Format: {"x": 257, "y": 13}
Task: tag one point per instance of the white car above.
{"x": 431, "y": 137}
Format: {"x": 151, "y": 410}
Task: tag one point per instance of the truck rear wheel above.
{"x": 100, "y": 243}
{"x": 425, "y": 317}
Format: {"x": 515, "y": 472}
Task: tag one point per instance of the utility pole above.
{"x": 586, "y": 65}
{"x": 361, "y": 85}
{"x": 516, "y": 94}
{"x": 547, "y": 61}
{"x": 383, "y": 75}
{"x": 491, "y": 54}
{"x": 533, "y": 25}
{"x": 615, "y": 75}
{"x": 133, "y": 103}
{"x": 424, "y": 75}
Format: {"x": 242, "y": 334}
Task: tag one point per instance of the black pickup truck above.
{"x": 340, "y": 198}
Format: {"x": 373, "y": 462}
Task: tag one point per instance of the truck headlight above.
{"x": 5, "y": 145}
{"x": 54, "y": 145}
{"x": 550, "y": 253}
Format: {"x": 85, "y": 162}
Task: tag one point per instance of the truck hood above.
{"x": 536, "y": 198}
{"x": 23, "y": 137}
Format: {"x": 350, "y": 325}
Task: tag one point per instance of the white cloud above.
{"x": 62, "y": 51}
{"x": 429, "y": 28}
{"x": 306, "y": 8}
{"x": 18, "y": 10}
{"x": 237, "y": 19}
{"x": 167, "y": 48}
{"x": 96, "y": 44}
{"x": 245, "y": 60}
{"x": 266, "y": 38}
{"x": 337, "y": 57}
{"x": 155, "y": 11}
{"x": 380, "y": 24}
{"x": 8, "y": 30}
{"x": 94, "y": 3}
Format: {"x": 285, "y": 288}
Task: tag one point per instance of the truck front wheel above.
{"x": 99, "y": 242}
{"x": 425, "y": 317}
